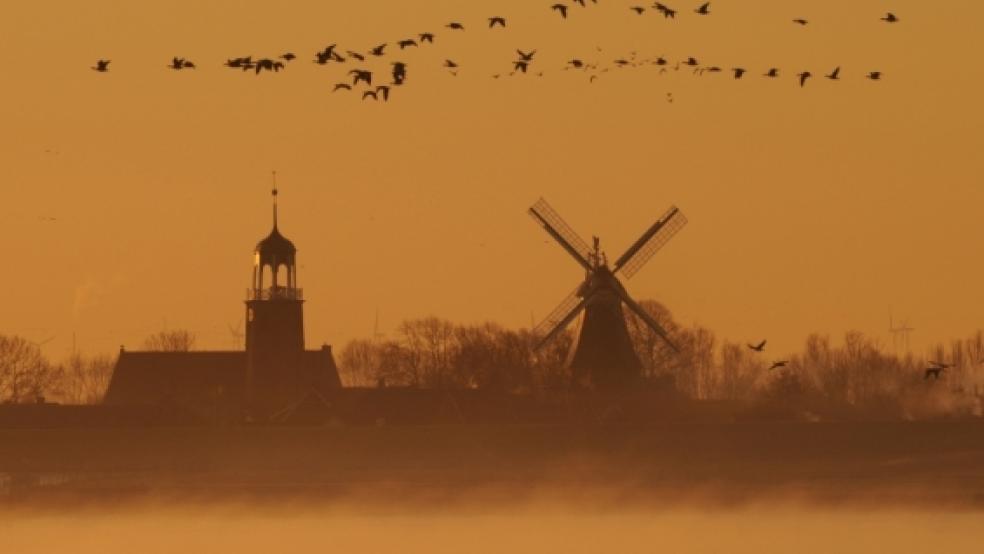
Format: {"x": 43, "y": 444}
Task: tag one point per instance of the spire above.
{"x": 274, "y": 192}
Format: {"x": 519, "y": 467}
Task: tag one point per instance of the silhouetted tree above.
{"x": 84, "y": 380}
{"x": 25, "y": 375}
{"x": 178, "y": 340}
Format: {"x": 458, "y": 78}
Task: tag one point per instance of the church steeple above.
{"x": 275, "y": 264}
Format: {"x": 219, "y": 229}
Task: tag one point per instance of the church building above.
{"x": 273, "y": 380}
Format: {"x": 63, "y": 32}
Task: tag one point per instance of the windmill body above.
{"x": 602, "y": 354}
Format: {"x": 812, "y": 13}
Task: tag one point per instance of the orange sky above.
{"x": 814, "y": 209}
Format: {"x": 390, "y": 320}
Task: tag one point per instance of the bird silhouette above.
{"x": 692, "y": 62}
{"x": 450, "y": 64}
{"x": 407, "y": 43}
{"x": 369, "y": 94}
{"x": 455, "y": 26}
{"x": 496, "y": 20}
{"x": 361, "y": 75}
{"x": 779, "y": 364}
{"x": 704, "y": 9}
{"x": 835, "y": 74}
{"x": 561, "y": 8}
{"x": 342, "y": 86}
{"x": 668, "y": 13}
{"x": 773, "y": 72}
{"x": 288, "y": 56}
{"x": 378, "y": 51}
{"x": 399, "y": 72}
{"x": 426, "y": 37}
{"x": 800, "y": 21}
{"x": 240, "y": 62}
{"x": 875, "y": 75}
{"x": 757, "y": 347}
{"x": 526, "y": 56}
{"x": 269, "y": 65}
{"x": 520, "y": 65}
{"x": 890, "y": 18}
{"x": 356, "y": 55}
{"x": 639, "y": 10}
{"x": 803, "y": 77}
{"x": 180, "y": 63}
{"x": 739, "y": 72}
{"x": 576, "y": 63}
{"x": 385, "y": 90}
{"x": 101, "y": 66}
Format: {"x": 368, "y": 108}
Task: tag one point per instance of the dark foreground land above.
{"x": 896, "y": 464}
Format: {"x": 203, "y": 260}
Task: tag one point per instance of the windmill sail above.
{"x": 650, "y": 242}
{"x": 558, "y": 319}
{"x": 557, "y": 228}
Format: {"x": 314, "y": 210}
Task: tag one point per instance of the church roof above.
{"x": 275, "y": 245}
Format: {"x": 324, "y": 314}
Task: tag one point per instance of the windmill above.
{"x": 900, "y": 334}
{"x": 602, "y": 350}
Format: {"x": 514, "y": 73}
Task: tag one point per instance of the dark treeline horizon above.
{"x": 432, "y": 352}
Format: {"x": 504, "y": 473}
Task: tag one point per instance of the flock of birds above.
{"x": 332, "y": 54}
{"x": 935, "y": 369}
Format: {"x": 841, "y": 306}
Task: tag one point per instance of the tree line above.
{"x": 432, "y": 352}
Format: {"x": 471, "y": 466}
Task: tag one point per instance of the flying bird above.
{"x": 668, "y": 13}
{"x": 739, "y": 72}
{"x": 800, "y": 21}
{"x": 426, "y": 37}
{"x": 181, "y": 63}
{"x": 385, "y": 90}
{"x": 369, "y": 94}
{"x": 450, "y": 64}
{"x": 777, "y": 365}
{"x": 561, "y": 8}
{"x": 576, "y": 63}
{"x": 520, "y": 65}
{"x": 704, "y": 9}
{"x": 342, "y": 86}
{"x": 804, "y": 76}
{"x": 399, "y": 72}
{"x": 757, "y": 347}
{"x": 526, "y": 56}
{"x": 101, "y": 66}
{"x": 692, "y": 62}
{"x": 455, "y": 26}
{"x": 378, "y": 51}
{"x": 638, "y": 9}
{"x": 361, "y": 75}
{"x": 288, "y": 56}
{"x": 355, "y": 55}
{"x": 245, "y": 63}
{"x": 890, "y": 18}
{"x": 835, "y": 74}
{"x": 406, "y": 43}
{"x": 875, "y": 75}
{"x": 773, "y": 73}
{"x": 493, "y": 21}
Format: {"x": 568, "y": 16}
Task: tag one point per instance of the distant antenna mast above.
{"x": 900, "y": 335}
{"x": 237, "y": 335}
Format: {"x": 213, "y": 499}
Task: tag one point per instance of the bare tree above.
{"x": 25, "y": 375}
{"x": 179, "y": 340}
{"x": 84, "y": 380}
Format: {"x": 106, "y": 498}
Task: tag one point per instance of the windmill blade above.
{"x": 650, "y": 242}
{"x": 652, "y": 323}
{"x": 559, "y": 318}
{"x": 547, "y": 217}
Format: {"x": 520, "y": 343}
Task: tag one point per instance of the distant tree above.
{"x": 179, "y": 340}
{"x": 84, "y": 380}
{"x": 25, "y": 375}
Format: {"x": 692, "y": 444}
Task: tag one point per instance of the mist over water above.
{"x": 526, "y": 528}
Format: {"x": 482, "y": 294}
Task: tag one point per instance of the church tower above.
{"x": 274, "y": 326}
